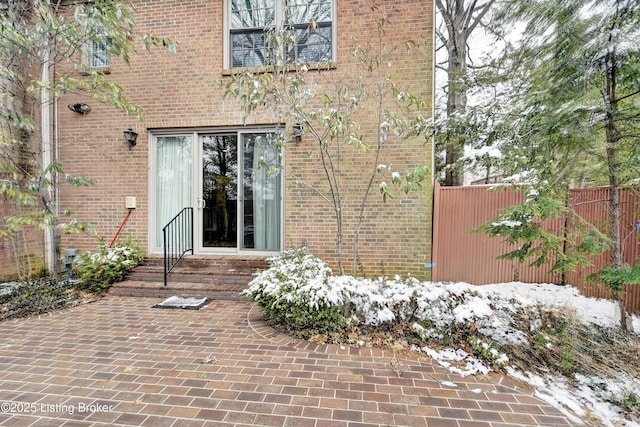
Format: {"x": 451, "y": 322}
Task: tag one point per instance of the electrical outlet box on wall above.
{"x": 130, "y": 202}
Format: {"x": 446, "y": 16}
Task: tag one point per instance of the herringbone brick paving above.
{"x": 120, "y": 362}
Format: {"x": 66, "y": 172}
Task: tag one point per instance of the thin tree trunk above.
{"x": 456, "y": 104}
{"x": 461, "y": 20}
{"x": 378, "y": 149}
{"x": 609, "y": 96}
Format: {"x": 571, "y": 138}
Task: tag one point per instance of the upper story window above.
{"x": 97, "y": 51}
{"x": 98, "y": 55}
{"x": 310, "y": 23}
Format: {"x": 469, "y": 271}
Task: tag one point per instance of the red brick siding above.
{"x": 179, "y": 90}
{"x": 22, "y": 256}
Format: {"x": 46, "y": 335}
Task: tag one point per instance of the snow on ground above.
{"x": 495, "y": 311}
{"x": 592, "y": 310}
{"x": 575, "y": 403}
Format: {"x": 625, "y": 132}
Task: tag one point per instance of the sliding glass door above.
{"x": 233, "y": 181}
{"x": 261, "y": 193}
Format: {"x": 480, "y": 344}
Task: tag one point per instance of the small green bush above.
{"x": 98, "y": 271}
{"x": 632, "y": 403}
{"x": 295, "y": 293}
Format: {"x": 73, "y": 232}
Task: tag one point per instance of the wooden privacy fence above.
{"x": 461, "y": 255}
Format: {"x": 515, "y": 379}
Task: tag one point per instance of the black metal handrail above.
{"x": 177, "y": 238}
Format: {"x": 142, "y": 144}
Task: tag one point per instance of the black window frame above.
{"x": 257, "y": 40}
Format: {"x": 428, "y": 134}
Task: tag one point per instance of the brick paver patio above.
{"x": 120, "y": 362}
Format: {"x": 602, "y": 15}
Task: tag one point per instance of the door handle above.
{"x": 201, "y": 203}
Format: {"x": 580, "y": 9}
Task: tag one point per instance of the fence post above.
{"x": 435, "y": 232}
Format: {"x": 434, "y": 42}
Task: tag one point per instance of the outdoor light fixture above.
{"x": 131, "y": 137}
{"x": 80, "y": 108}
{"x": 297, "y": 132}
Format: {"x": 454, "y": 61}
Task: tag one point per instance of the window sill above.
{"x": 290, "y": 68}
{"x": 86, "y": 70}
{"x": 101, "y": 70}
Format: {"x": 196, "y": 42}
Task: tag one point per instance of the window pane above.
{"x": 306, "y": 11}
{"x": 248, "y": 49}
{"x": 100, "y": 54}
{"x": 219, "y": 190}
{"x": 251, "y": 18}
{"x": 173, "y": 179}
{"x": 252, "y": 13}
{"x": 262, "y": 193}
{"x": 313, "y": 46}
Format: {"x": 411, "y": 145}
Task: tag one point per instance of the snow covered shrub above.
{"x": 296, "y": 292}
{"x": 98, "y": 271}
{"x": 436, "y": 316}
{"x": 486, "y": 349}
{"x": 382, "y": 301}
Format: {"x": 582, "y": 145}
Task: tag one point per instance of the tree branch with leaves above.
{"x": 36, "y": 38}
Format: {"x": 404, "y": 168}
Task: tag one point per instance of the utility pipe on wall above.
{"x": 47, "y": 156}
{"x": 121, "y": 227}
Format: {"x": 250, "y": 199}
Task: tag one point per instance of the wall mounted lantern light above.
{"x": 80, "y": 108}
{"x": 297, "y": 132}
{"x": 131, "y": 137}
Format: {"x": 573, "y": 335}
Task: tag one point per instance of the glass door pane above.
{"x": 173, "y": 179}
{"x": 261, "y": 191}
{"x": 219, "y": 191}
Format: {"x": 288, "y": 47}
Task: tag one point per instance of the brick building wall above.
{"x": 23, "y": 255}
{"x": 180, "y": 90}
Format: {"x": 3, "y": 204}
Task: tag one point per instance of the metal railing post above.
{"x": 191, "y": 243}
{"x": 177, "y": 238}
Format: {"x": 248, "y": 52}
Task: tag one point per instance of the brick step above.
{"x": 212, "y": 262}
{"x": 191, "y": 276}
{"x": 216, "y": 277}
{"x": 134, "y": 288}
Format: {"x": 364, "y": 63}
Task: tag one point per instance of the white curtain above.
{"x": 173, "y": 179}
{"x": 266, "y": 194}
